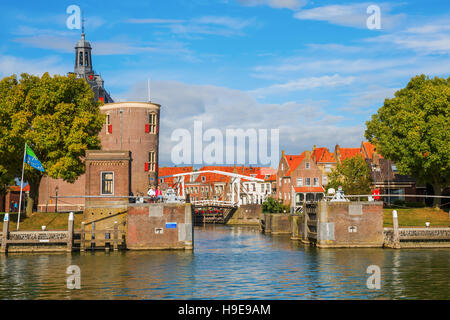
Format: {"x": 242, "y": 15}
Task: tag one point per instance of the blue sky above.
{"x": 310, "y": 68}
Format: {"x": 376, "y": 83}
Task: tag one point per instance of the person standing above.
{"x": 158, "y": 195}
{"x": 151, "y": 193}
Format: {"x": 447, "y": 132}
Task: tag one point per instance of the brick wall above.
{"x": 159, "y": 226}
{"x": 348, "y": 224}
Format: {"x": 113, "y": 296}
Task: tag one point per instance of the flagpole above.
{"x": 21, "y": 186}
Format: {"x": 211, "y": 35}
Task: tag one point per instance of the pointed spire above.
{"x": 82, "y": 25}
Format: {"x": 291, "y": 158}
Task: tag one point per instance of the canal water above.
{"x": 230, "y": 263}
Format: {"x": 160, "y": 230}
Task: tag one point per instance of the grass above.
{"x": 52, "y": 220}
{"x": 416, "y": 217}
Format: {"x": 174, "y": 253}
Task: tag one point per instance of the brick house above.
{"x": 299, "y": 178}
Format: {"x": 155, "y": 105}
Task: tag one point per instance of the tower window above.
{"x": 81, "y": 59}
{"x": 152, "y": 122}
{"x": 86, "y": 60}
{"x": 152, "y": 161}
{"x": 108, "y": 123}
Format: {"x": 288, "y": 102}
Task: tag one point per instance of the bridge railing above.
{"x": 219, "y": 203}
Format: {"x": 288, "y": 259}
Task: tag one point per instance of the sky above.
{"x": 312, "y": 69}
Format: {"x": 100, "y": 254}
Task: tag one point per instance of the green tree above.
{"x": 353, "y": 174}
{"x": 273, "y": 206}
{"x": 413, "y": 130}
{"x": 57, "y": 117}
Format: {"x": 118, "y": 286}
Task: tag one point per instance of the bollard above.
{"x": 5, "y": 235}
{"x": 83, "y": 237}
{"x": 70, "y": 233}
{"x": 396, "y": 233}
{"x": 116, "y": 235}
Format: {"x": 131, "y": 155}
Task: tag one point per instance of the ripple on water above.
{"x": 230, "y": 263}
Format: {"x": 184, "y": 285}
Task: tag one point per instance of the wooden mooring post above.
{"x": 396, "y": 232}
{"x": 70, "y": 233}
{"x": 93, "y": 236}
{"x": 83, "y": 237}
{"x": 5, "y": 234}
{"x": 116, "y": 236}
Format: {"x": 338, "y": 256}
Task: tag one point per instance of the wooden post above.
{"x": 93, "y": 235}
{"x": 5, "y": 235}
{"x": 396, "y": 233}
{"x": 305, "y": 225}
{"x": 70, "y": 233}
{"x": 83, "y": 237}
{"x": 116, "y": 235}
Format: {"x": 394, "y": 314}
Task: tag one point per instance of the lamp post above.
{"x": 56, "y": 202}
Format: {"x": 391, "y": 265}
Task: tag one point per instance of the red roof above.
{"x": 370, "y": 149}
{"x": 324, "y": 155}
{"x": 349, "y": 153}
{"x": 17, "y": 188}
{"x": 168, "y": 171}
{"x": 293, "y": 161}
{"x": 309, "y": 189}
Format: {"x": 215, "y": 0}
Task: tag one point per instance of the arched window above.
{"x": 80, "y": 60}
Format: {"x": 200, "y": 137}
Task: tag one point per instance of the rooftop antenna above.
{"x": 148, "y": 89}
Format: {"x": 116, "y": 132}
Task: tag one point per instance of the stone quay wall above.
{"x": 417, "y": 238}
{"x": 159, "y": 226}
{"x": 350, "y": 224}
{"x": 247, "y": 214}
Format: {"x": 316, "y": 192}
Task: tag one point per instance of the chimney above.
{"x": 337, "y": 152}
{"x": 307, "y": 154}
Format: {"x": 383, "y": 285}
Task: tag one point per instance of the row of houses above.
{"x": 202, "y": 185}
{"x": 298, "y": 177}
{"x": 305, "y": 176}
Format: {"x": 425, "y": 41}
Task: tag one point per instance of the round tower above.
{"x": 134, "y": 126}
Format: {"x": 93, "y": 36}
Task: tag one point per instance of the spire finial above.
{"x": 82, "y": 24}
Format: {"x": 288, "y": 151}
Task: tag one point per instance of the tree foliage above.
{"x": 413, "y": 130}
{"x": 273, "y": 206}
{"x": 56, "y": 116}
{"x": 353, "y": 174}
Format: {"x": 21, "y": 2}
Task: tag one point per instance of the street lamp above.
{"x": 56, "y": 202}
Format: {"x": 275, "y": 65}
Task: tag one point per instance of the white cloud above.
{"x": 304, "y": 84}
{"x": 278, "y": 4}
{"x": 431, "y": 38}
{"x": 307, "y": 65}
{"x": 352, "y": 15}
{"x": 13, "y": 65}
{"x": 222, "y": 108}
{"x": 211, "y": 25}
{"x": 154, "y": 21}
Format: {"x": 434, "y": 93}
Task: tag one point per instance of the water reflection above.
{"x": 230, "y": 263}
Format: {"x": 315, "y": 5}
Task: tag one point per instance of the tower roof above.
{"x": 83, "y": 43}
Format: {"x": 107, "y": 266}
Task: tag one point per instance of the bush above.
{"x": 273, "y": 206}
{"x": 415, "y": 204}
{"x": 398, "y": 202}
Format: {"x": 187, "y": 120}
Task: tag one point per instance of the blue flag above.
{"x": 32, "y": 160}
